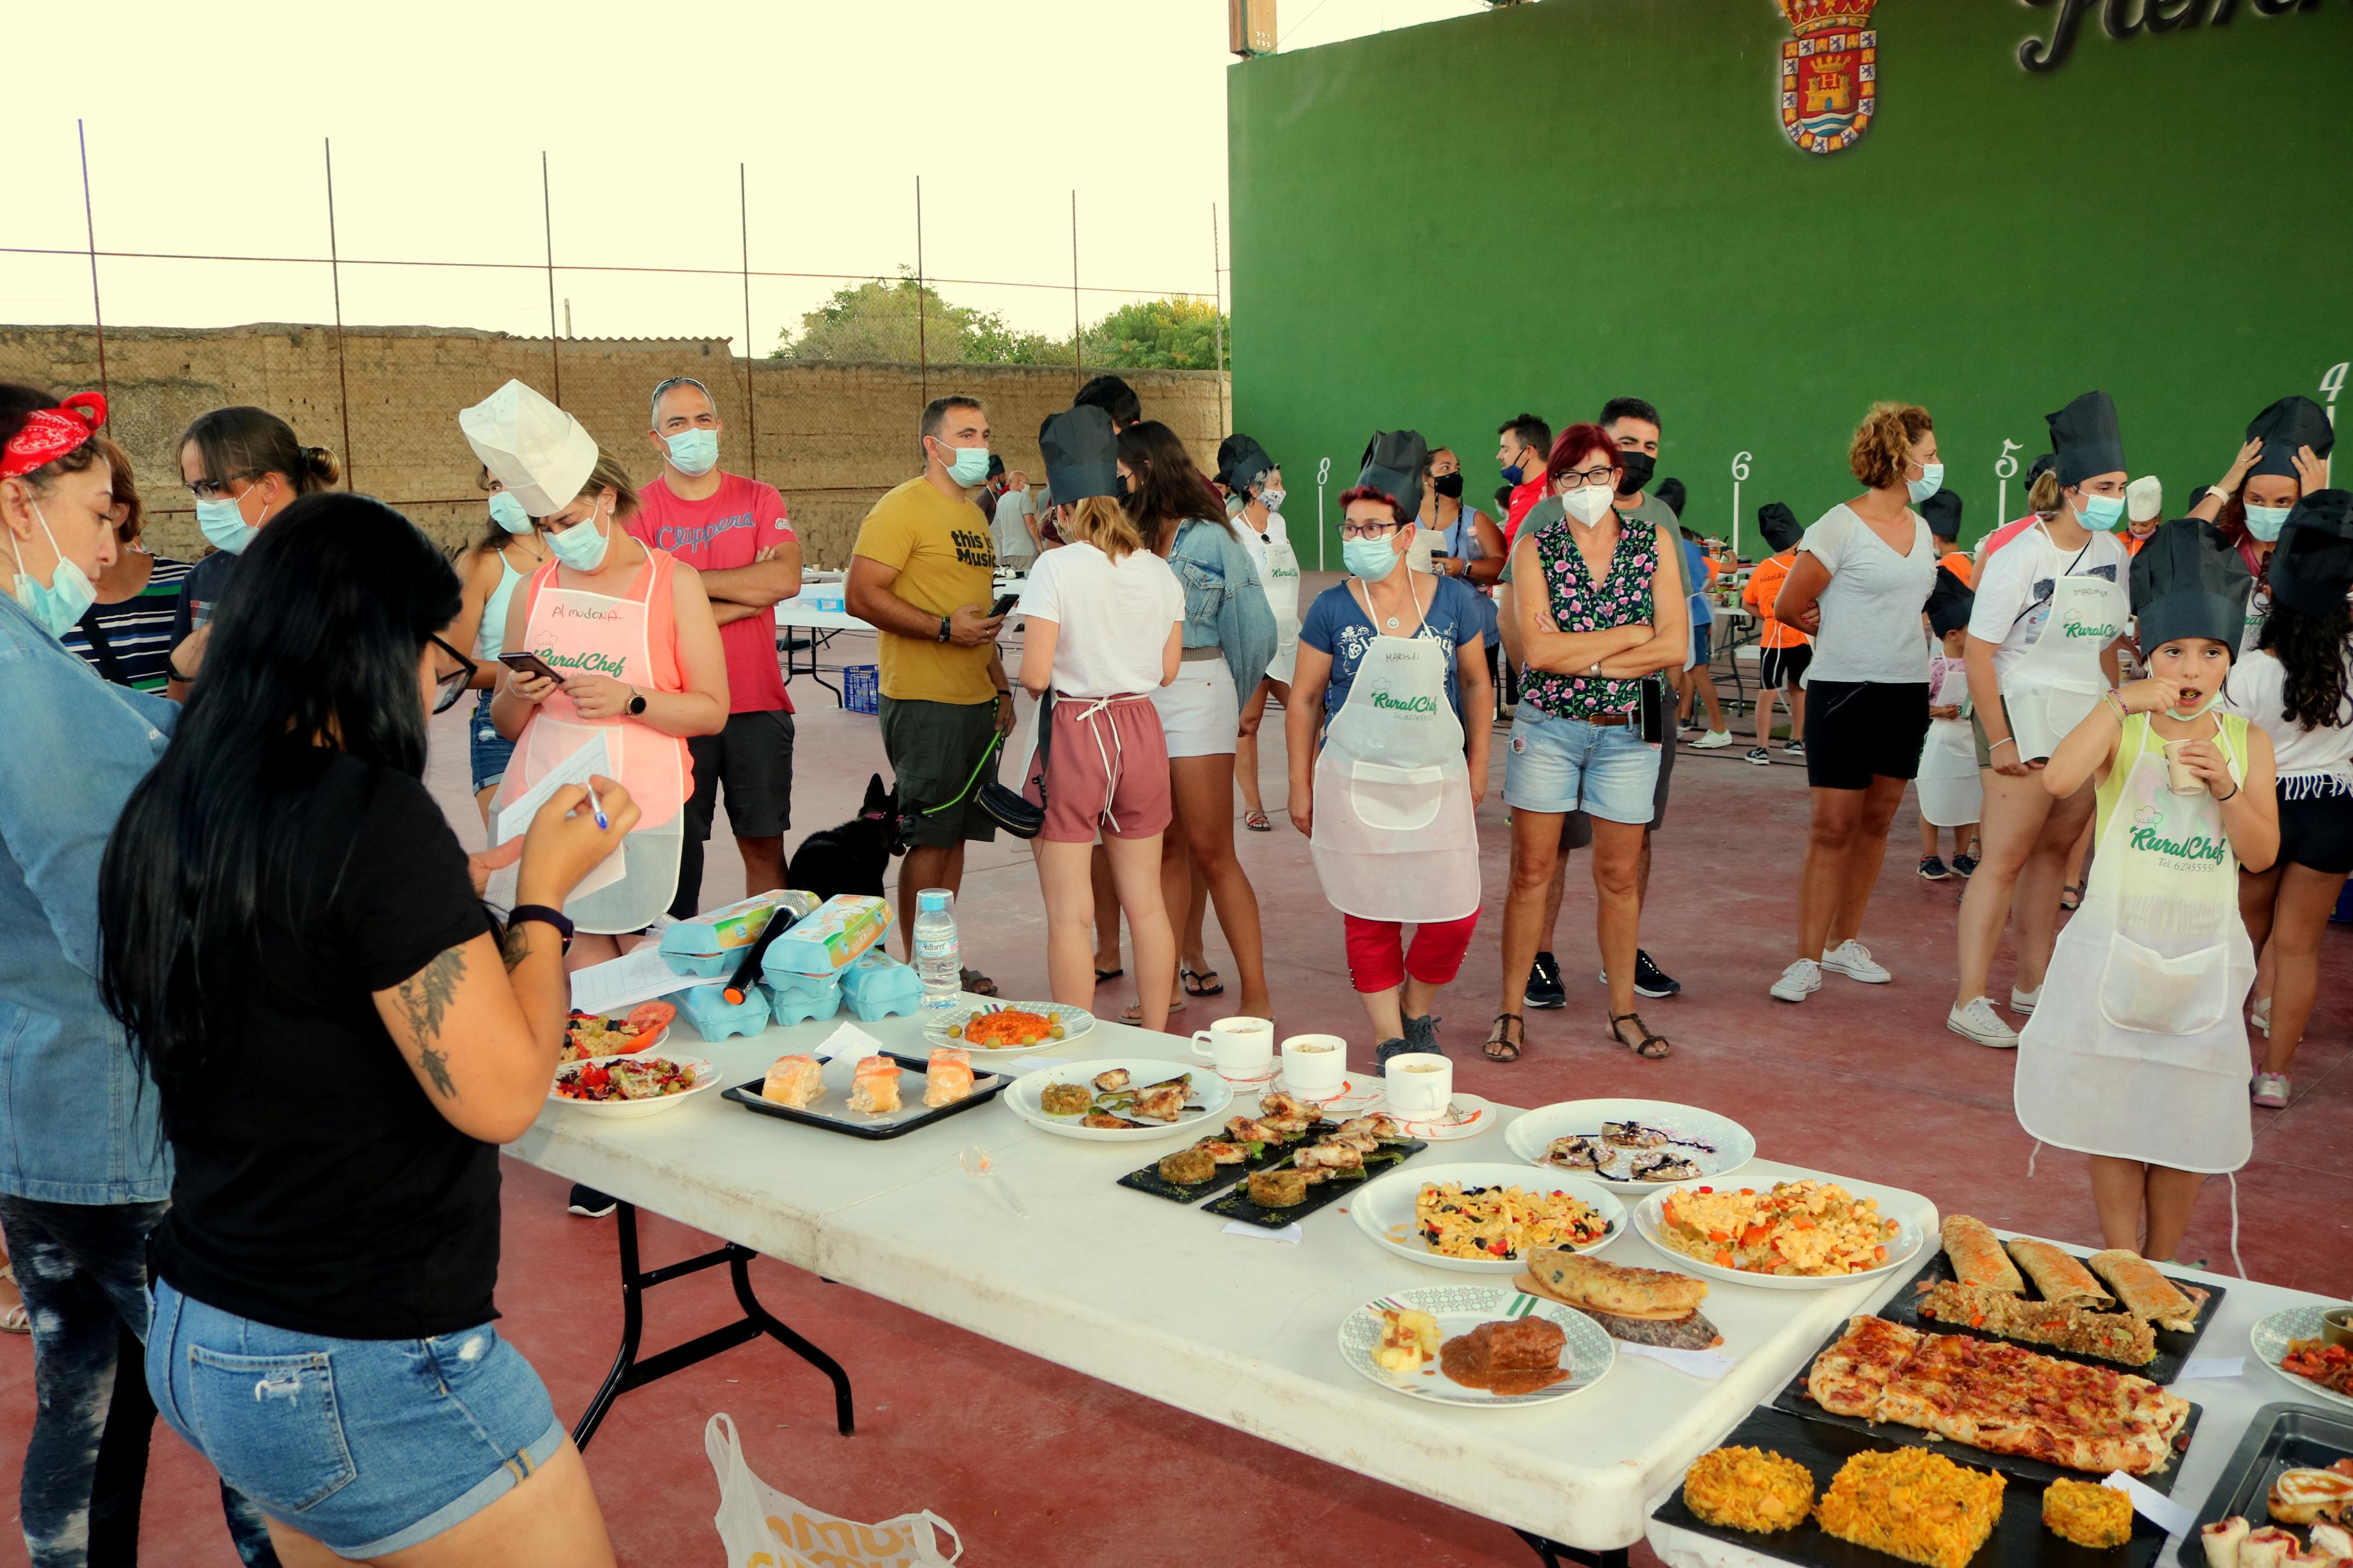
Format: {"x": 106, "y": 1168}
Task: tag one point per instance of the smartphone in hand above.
{"x": 1005, "y": 603}
{"x": 530, "y": 664}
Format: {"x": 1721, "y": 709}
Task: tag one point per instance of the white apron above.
{"x": 2140, "y": 1052}
{"x": 2055, "y": 684}
{"x": 1394, "y": 837}
{"x": 1952, "y": 794}
{"x": 1279, "y": 575}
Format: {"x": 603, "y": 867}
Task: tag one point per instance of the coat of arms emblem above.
{"x": 1830, "y": 73}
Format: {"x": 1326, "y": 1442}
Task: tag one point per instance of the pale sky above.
{"x": 204, "y": 130}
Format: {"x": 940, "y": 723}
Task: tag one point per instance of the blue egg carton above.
{"x": 785, "y": 982}
{"x": 716, "y": 1018}
{"x": 880, "y": 986}
{"x": 803, "y": 1007}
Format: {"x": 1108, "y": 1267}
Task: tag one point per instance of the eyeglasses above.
{"x": 1368, "y": 530}
{"x": 449, "y": 688}
{"x": 1588, "y": 477}
{"x": 213, "y": 489}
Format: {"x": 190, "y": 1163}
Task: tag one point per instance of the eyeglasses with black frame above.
{"x": 1580, "y": 478}
{"x": 449, "y": 688}
{"x": 1368, "y": 530}
{"x": 218, "y": 490}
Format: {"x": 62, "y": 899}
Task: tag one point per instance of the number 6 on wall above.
{"x": 1739, "y": 472}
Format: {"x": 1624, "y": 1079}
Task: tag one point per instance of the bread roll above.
{"x": 2142, "y": 1290}
{"x": 1978, "y": 1257}
{"x": 1577, "y": 1280}
{"x": 2058, "y": 1274}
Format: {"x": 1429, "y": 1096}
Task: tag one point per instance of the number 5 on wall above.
{"x": 2005, "y": 468}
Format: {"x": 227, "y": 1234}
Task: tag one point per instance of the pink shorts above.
{"x": 1108, "y": 767}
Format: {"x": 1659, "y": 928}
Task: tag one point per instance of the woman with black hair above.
{"x": 2294, "y": 688}
{"x": 342, "y": 1038}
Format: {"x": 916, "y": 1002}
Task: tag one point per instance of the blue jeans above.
{"x": 1607, "y": 770}
{"x": 485, "y": 750}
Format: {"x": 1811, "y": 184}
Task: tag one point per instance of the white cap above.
{"x": 2145, "y": 499}
{"x": 541, "y": 454}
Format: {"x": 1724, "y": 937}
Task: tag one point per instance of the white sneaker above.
{"x": 1853, "y": 959}
{"x": 1712, "y": 740}
{"x": 1799, "y": 981}
{"x": 1980, "y": 1023}
{"x": 2024, "y": 1001}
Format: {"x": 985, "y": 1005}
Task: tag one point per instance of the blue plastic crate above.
{"x": 862, "y": 688}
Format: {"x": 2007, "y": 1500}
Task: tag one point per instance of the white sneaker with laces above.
{"x": 1853, "y": 959}
{"x": 1979, "y": 1022}
{"x": 1799, "y": 981}
{"x": 2024, "y": 1001}
{"x": 1712, "y": 741}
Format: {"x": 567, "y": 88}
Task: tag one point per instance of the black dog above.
{"x": 850, "y": 859}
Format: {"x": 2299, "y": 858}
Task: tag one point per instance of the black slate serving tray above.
{"x": 2281, "y": 1437}
{"x": 2019, "y": 1539}
{"x": 1794, "y": 1399}
{"x": 1237, "y": 1205}
{"x": 1150, "y": 1180}
{"x": 835, "y": 1118}
{"x": 2173, "y": 1348}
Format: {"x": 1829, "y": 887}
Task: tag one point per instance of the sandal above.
{"x": 2071, "y": 897}
{"x": 1257, "y": 821}
{"x": 14, "y": 1319}
{"x": 1507, "y": 1039}
{"x": 1104, "y": 975}
{"x": 973, "y": 981}
{"x": 1652, "y": 1048}
{"x": 1134, "y": 1012}
{"x": 1205, "y": 976}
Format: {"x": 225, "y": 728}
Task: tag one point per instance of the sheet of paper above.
{"x": 2173, "y": 1517}
{"x": 849, "y": 1040}
{"x": 1707, "y": 1365}
{"x": 1290, "y": 1234}
{"x": 510, "y": 819}
{"x": 620, "y": 984}
{"x": 2212, "y": 1368}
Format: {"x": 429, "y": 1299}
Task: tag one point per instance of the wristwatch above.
{"x": 943, "y": 628}
{"x": 546, "y": 916}
{"x": 637, "y": 702}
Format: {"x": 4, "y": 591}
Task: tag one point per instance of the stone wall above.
{"x": 832, "y": 438}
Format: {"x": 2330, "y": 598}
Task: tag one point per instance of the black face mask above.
{"x": 1638, "y": 466}
{"x": 1448, "y": 484}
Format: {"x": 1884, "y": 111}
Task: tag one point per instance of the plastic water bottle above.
{"x": 936, "y": 959}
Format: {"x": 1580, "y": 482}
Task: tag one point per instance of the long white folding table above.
{"x": 1154, "y": 1297}
{"x": 813, "y": 612}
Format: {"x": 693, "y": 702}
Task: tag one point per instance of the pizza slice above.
{"x": 1851, "y": 1377}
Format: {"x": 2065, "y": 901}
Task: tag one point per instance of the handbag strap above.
{"x": 109, "y": 665}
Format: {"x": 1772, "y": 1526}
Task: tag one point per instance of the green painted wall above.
{"x": 1547, "y": 205}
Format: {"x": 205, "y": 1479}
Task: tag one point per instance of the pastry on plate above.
{"x": 794, "y": 1081}
{"x": 874, "y": 1085}
{"x": 1977, "y": 1256}
{"x": 2059, "y": 1275}
{"x": 948, "y": 1077}
{"x": 2145, "y": 1293}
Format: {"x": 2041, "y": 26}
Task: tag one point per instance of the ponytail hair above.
{"x": 2044, "y": 494}
{"x": 1104, "y": 523}
{"x": 246, "y": 442}
{"x": 1882, "y": 447}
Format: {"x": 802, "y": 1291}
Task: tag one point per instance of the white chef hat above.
{"x": 2145, "y": 499}
{"x": 542, "y": 454}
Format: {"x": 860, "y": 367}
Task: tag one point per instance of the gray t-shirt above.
{"x": 1870, "y": 611}
{"x": 1009, "y": 529}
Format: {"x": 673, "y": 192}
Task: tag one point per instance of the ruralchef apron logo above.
{"x": 1830, "y": 73}
{"x": 2197, "y": 846}
{"x": 1405, "y": 705}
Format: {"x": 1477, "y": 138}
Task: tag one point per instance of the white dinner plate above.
{"x": 1901, "y": 1251}
{"x": 705, "y": 1076}
{"x": 1467, "y": 1116}
{"x": 1075, "y": 1021}
{"x": 1716, "y": 1145}
{"x": 2270, "y": 1340}
{"x": 1385, "y": 1209}
{"x": 1209, "y": 1092}
{"x": 1460, "y": 1309}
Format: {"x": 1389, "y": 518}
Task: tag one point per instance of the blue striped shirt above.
{"x": 137, "y": 632}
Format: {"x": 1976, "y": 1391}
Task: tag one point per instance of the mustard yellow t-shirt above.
{"x": 945, "y": 558}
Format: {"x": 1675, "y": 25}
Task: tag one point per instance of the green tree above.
{"x": 1181, "y": 332}
{"x": 877, "y": 321}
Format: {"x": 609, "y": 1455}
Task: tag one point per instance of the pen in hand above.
{"x": 598, "y": 806}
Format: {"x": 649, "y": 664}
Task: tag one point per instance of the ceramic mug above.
{"x": 1314, "y": 1064}
{"x": 1241, "y": 1048}
{"x": 1418, "y": 1084}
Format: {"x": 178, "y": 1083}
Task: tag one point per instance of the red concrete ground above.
{"x": 1040, "y": 1466}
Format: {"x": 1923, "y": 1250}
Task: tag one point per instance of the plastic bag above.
{"x": 763, "y": 1528}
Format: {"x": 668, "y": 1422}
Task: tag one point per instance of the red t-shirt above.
{"x": 720, "y": 533}
{"x": 1525, "y": 496}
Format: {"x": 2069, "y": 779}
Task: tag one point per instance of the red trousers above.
{"x": 1377, "y": 959}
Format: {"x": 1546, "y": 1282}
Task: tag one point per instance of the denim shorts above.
{"x": 488, "y": 752}
{"x": 368, "y": 1446}
{"x": 1567, "y": 764}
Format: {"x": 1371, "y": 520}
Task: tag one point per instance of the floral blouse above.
{"x": 1621, "y": 598}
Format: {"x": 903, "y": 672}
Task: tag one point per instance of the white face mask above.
{"x": 1272, "y": 498}
{"x": 1588, "y": 504}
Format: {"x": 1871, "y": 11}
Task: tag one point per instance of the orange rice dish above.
{"x": 1010, "y": 1026}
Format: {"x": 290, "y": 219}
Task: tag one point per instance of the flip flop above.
{"x": 1258, "y": 822}
{"x": 1204, "y": 975}
{"x": 2071, "y": 897}
{"x": 1134, "y": 1012}
{"x": 1103, "y": 975}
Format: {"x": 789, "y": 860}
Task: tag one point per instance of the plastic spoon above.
{"x": 976, "y": 1162}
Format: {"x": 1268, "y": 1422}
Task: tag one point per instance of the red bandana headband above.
{"x": 51, "y": 433}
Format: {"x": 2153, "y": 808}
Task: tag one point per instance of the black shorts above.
{"x": 2316, "y": 827}
{"x": 1783, "y": 667}
{"x": 1577, "y": 828}
{"x": 752, "y": 759}
{"x": 934, "y": 749}
{"x": 1857, "y": 731}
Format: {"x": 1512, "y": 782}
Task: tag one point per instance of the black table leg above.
{"x": 817, "y": 637}
{"x": 629, "y": 1371}
{"x": 1555, "y": 1554}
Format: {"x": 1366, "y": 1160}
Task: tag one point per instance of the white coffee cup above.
{"x": 1239, "y": 1048}
{"x": 1418, "y": 1084}
{"x": 1314, "y": 1064}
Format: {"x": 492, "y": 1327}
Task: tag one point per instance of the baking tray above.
{"x": 2280, "y": 1437}
{"x": 1149, "y": 1179}
{"x": 831, "y": 1112}
{"x": 2173, "y": 1347}
{"x": 1237, "y": 1205}
{"x": 2019, "y": 1539}
{"x": 1794, "y": 1399}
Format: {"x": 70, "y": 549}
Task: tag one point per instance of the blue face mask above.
{"x": 223, "y": 524}
{"x": 582, "y": 546}
{"x": 1514, "y": 475}
{"x": 508, "y": 513}
{"x": 967, "y": 466}
{"x": 1931, "y": 480}
{"x": 1371, "y": 559}
{"x": 696, "y": 452}
{"x": 70, "y": 593}
{"x": 2101, "y": 513}
{"x": 2265, "y": 521}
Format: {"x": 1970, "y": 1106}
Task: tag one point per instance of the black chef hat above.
{"x": 2084, "y": 439}
{"x": 1240, "y": 461}
{"x": 2290, "y": 423}
{"x": 1942, "y": 511}
{"x": 1949, "y": 601}
{"x": 996, "y": 466}
{"x": 1671, "y": 493}
{"x": 2190, "y": 581}
{"x": 2313, "y": 565}
{"x": 1394, "y": 461}
{"x": 1778, "y": 524}
{"x": 1082, "y": 454}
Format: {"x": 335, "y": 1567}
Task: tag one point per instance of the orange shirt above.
{"x": 1957, "y": 564}
{"x": 1763, "y": 587}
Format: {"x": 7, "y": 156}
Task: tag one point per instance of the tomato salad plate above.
{"x": 636, "y": 1085}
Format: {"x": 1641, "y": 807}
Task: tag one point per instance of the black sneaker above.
{"x": 1760, "y": 756}
{"x": 1963, "y": 864}
{"x": 590, "y": 1203}
{"x": 1651, "y": 981}
{"x": 1932, "y": 869}
{"x": 1794, "y": 749}
{"x": 1545, "y": 989}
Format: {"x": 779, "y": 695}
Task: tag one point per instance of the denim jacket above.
{"x": 77, "y": 1118}
{"x": 1224, "y": 605}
